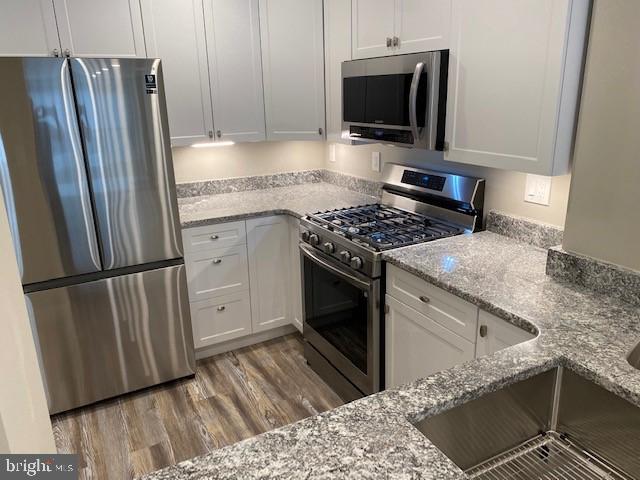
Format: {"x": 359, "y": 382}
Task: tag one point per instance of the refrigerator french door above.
{"x": 87, "y": 179}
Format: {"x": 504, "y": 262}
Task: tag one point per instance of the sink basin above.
{"x": 634, "y": 357}
{"x": 555, "y": 425}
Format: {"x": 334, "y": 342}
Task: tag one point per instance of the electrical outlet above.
{"x": 537, "y": 189}
{"x": 375, "y": 161}
{"x": 332, "y": 152}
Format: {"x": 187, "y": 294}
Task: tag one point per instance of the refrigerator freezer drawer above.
{"x": 107, "y": 337}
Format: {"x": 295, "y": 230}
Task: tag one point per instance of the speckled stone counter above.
{"x": 296, "y": 200}
{"x": 374, "y": 438}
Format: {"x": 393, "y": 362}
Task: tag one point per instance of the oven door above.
{"x": 342, "y": 318}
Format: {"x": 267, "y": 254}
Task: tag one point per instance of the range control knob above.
{"x": 314, "y": 239}
{"x": 329, "y": 247}
{"x": 356, "y": 262}
{"x": 305, "y": 236}
{"x": 345, "y": 256}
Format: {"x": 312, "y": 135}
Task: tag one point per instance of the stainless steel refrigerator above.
{"x": 88, "y": 184}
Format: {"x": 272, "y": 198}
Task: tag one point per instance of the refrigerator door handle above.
{"x": 71, "y": 119}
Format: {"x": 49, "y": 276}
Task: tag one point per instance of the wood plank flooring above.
{"x": 233, "y": 396}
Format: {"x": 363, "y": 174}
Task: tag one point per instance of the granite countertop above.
{"x": 296, "y": 200}
{"x": 374, "y": 438}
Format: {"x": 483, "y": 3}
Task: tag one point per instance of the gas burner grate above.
{"x": 547, "y": 456}
{"x": 381, "y": 227}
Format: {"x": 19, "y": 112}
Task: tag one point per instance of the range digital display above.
{"x": 417, "y": 179}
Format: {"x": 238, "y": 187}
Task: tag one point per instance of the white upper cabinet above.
{"x": 98, "y": 28}
{"x": 514, "y": 78}
{"x": 394, "y": 27}
{"x": 293, "y": 68}
{"x": 373, "y": 27}
{"x": 337, "y": 49}
{"x": 28, "y": 28}
{"x": 269, "y": 276}
{"x": 174, "y": 32}
{"x": 233, "y": 41}
{"x": 422, "y": 25}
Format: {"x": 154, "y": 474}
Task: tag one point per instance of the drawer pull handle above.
{"x": 214, "y": 237}
{"x": 424, "y": 299}
{"x": 483, "y": 331}
{"x": 217, "y": 261}
{"x": 222, "y": 308}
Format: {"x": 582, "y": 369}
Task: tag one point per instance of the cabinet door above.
{"x": 496, "y": 334}
{"x": 416, "y": 346}
{"x": 373, "y": 27}
{"x": 268, "y": 244}
{"x": 28, "y": 29}
{"x": 220, "y": 319}
{"x": 514, "y": 77}
{"x": 174, "y": 32}
{"x": 422, "y": 25}
{"x": 295, "y": 275}
{"x": 95, "y": 28}
{"x": 293, "y": 68}
{"x": 233, "y": 41}
{"x": 337, "y": 49}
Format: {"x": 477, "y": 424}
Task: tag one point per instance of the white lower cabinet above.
{"x": 417, "y": 346}
{"x": 496, "y": 334}
{"x": 295, "y": 269}
{"x": 268, "y": 245}
{"x": 428, "y": 330}
{"x": 220, "y": 319}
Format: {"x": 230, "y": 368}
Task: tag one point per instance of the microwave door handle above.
{"x": 413, "y": 100}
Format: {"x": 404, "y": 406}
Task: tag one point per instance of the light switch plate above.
{"x": 375, "y": 161}
{"x": 332, "y": 152}
{"x": 537, "y": 189}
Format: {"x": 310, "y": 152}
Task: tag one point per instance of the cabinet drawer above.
{"x": 220, "y": 235}
{"x": 442, "y": 307}
{"x": 416, "y": 346}
{"x": 220, "y": 319}
{"x": 217, "y": 272}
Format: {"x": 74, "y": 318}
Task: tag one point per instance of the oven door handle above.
{"x": 413, "y": 101}
{"x": 308, "y": 252}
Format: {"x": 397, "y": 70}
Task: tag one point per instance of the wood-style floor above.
{"x": 233, "y": 396}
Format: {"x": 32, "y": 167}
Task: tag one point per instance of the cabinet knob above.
{"x": 55, "y": 52}
{"x": 388, "y": 42}
{"x": 221, "y": 308}
{"x": 67, "y": 52}
{"x": 396, "y": 41}
{"x": 424, "y": 299}
{"x": 483, "y": 331}
{"x": 210, "y": 133}
{"x": 320, "y": 131}
{"x": 217, "y": 261}
{"x": 219, "y": 133}
{"x": 214, "y": 237}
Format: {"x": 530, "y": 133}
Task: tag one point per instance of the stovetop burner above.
{"x": 381, "y": 227}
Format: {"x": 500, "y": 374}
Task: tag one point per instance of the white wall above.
{"x": 24, "y": 418}
{"x": 504, "y": 189}
{"x": 603, "y": 219}
{"x": 246, "y": 159}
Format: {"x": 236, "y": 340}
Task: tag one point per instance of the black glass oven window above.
{"x": 337, "y": 310}
{"x": 383, "y": 99}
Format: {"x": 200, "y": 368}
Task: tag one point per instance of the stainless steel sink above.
{"x": 634, "y": 357}
{"x": 555, "y": 425}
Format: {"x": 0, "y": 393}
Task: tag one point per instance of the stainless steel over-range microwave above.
{"x": 400, "y": 100}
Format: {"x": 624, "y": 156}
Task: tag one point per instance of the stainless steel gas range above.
{"x": 343, "y": 279}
